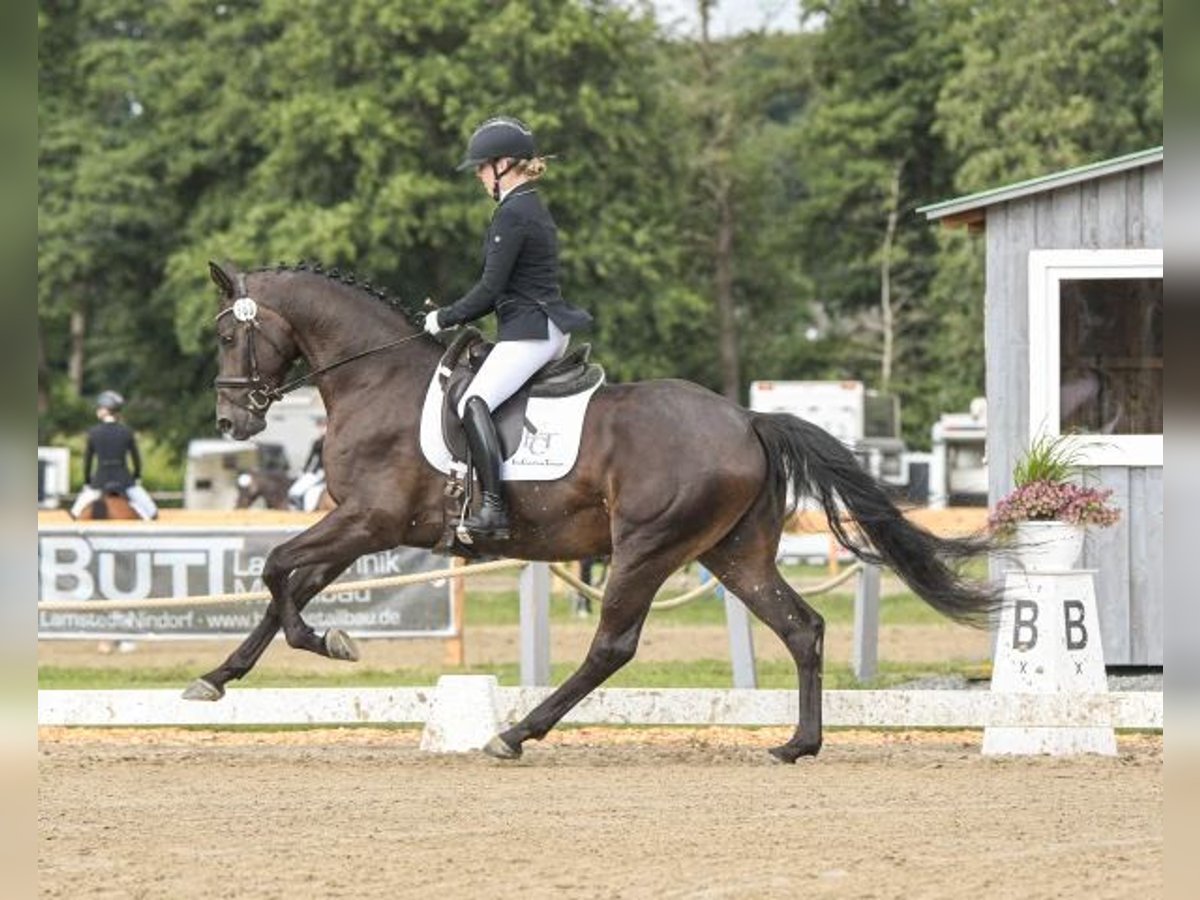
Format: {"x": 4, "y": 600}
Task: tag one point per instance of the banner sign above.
{"x": 136, "y": 563}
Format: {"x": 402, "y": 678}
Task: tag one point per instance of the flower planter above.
{"x": 1048, "y": 546}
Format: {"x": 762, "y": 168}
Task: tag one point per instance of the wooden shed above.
{"x": 1074, "y": 345}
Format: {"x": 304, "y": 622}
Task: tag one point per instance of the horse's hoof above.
{"x": 500, "y": 749}
{"x": 339, "y": 645}
{"x": 789, "y": 753}
{"x": 203, "y": 690}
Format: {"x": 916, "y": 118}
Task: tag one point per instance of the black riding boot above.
{"x": 492, "y": 519}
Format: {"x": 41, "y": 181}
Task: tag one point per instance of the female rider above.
{"x": 520, "y": 283}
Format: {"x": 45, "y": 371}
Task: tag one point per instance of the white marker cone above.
{"x": 1049, "y": 643}
{"x": 463, "y": 715}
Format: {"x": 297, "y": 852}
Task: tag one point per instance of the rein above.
{"x": 260, "y": 394}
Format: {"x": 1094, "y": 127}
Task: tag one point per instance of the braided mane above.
{"x": 407, "y": 309}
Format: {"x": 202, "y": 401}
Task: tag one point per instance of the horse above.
{"x": 668, "y": 472}
{"x": 269, "y": 485}
{"x": 111, "y": 504}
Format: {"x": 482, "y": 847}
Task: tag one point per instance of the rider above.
{"x": 109, "y": 444}
{"x": 520, "y": 283}
{"x": 305, "y": 491}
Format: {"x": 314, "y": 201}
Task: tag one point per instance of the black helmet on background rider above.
{"x": 499, "y": 137}
{"x": 110, "y": 400}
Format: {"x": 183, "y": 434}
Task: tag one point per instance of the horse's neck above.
{"x": 331, "y": 324}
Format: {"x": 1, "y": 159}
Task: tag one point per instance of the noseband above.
{"x": 259, "y": 393}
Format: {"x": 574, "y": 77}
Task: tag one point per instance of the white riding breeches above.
{"x": 510, "y": 365}
{"x": 138, "y": 497}
{"x": 305, "y": 491}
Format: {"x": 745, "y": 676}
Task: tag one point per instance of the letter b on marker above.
{"x": 1077, "y": 636}
{"x": 1025, "y": 633}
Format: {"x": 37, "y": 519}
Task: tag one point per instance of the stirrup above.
{"x": 491, "y": 522}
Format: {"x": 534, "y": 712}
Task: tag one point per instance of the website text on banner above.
{"x": 84, "y": 564}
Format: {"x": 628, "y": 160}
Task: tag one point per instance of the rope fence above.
{"x": 416, "y": 578}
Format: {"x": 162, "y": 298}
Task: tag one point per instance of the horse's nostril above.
{"x": 224, "y": 425}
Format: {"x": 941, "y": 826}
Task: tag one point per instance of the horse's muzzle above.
{"x": 237, "y": 421}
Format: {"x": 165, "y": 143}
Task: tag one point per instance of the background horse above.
{"x": 109, "y": 505}
{"x": 668, "y": 472}
{"x": 269, "y": 485}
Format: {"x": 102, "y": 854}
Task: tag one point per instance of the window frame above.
{"x": 1047, "y": 270}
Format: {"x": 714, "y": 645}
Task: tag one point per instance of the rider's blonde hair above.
{"x": 532, "y": 168}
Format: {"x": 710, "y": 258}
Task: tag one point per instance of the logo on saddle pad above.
{"x": 539, "y": 427}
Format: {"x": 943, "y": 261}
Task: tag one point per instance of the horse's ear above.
{"x": 221, "y": 279}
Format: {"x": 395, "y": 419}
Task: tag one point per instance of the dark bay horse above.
{"x": 668, "y": 472}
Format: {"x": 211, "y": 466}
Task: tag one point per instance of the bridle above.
{"x": 260, "y": 394}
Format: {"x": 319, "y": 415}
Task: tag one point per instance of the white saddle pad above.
{"x": 545, "y": 454}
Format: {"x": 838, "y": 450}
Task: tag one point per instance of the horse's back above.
{"x": 672, "y": 431}
{"x": 674, "y": 412}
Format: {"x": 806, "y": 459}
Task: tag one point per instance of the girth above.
{"x": 571, "y": 374}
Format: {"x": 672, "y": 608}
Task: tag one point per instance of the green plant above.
{"x": 1051, "y": 457}
{"x": 1044, "y": 490}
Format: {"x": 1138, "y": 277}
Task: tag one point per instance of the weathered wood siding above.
{"x": 1121, "y": 211}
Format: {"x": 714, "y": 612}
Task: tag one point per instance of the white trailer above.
{"x": 958, "y": 474}
{"x": 213, "y": 465}
{"x": 292, "y": 424}
{"x": 839, "y": 407}
{"x": 54, "y": 476}
{"x": 866, "y": 421}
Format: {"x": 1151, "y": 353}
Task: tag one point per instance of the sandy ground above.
{"x": 611, "y": 813}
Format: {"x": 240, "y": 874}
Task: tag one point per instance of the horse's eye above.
{"x": 225, "y": 338}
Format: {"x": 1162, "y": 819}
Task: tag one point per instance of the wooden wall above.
{"x": 1121, "y": 211}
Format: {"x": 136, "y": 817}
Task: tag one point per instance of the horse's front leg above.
{"x": 340, "y": 537}
{"x": 295, "y": 572}
{"x": 306, "y": 583}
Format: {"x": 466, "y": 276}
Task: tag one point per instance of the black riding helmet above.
{"x": 502, "y": 136}
{"x": 110, "y": 400}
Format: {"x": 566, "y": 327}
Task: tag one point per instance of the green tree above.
{"x": 261, "y": 131}
{"x": 1044, "y": 87}
{"x": 869, "y": 156}
{"x": 101, "y": 215}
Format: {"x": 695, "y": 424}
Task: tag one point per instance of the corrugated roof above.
{"x": 961, "y": 205}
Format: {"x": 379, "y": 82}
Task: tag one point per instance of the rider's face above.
{"x": 486, "y": 177}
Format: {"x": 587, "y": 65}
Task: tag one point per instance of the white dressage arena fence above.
{"x": 611, "y": 706}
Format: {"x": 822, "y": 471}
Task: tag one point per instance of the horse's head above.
{"x": 255, "y": 347}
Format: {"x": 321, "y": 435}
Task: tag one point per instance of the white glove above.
{"x": 431, "y": 322}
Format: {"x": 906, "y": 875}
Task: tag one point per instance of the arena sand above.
{"x": 589, "y": 812}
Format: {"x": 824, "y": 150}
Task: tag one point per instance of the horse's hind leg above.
{"x": 305, "y": 584}
{"x": 745, "y": 563}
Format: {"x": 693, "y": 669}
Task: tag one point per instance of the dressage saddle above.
{"x": 572, "y": 374}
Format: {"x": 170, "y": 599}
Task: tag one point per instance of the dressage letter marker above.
{"x": 463, "y": 716}
{"x": 1049, "y": 643}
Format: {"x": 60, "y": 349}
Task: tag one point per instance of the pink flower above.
{"x": 1044, "y": 501}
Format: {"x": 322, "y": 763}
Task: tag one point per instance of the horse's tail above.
{"x": 100, "y": 508}
{"x": 815, "y": 464}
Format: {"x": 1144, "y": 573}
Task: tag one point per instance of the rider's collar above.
{"x": 516, "y": 191}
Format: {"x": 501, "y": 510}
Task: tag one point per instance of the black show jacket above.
{"x": 520, "y": 274}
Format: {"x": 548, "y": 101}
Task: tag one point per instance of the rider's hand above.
{"x": 431, "y": 322}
